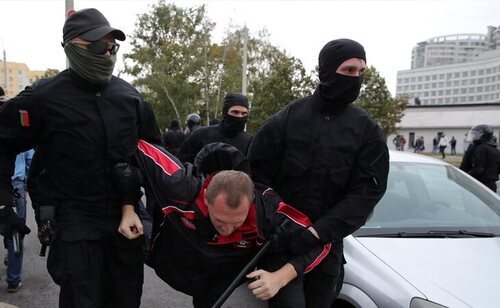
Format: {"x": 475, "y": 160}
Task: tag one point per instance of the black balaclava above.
{"x": 174, "y": 124}
{"x": 233, "y": 125}
{"x": 335, "y": 88}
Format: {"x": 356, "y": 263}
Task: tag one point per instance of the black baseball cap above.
{"x": 90, "y": 25}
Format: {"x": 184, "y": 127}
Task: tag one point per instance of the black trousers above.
{"x": 441, "y": 150}
{"x": 104, "y": 272}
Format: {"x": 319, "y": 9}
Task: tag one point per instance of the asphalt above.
{"x": 40, "y": 291}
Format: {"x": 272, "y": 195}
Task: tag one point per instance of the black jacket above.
{"x": 173, "y": 139}
{"x": 215, "y": 133}
{"x": 331, "y": 164}
{"x": 80, "y": 131}
{"x": 188, "y": 253}
{"x": 482, "y": 161}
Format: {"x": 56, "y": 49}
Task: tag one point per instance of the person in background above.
{"x": 15, "y": 261}
{"x": 453, "y": 144}
{"x": 230, "y": 130}
{"x": 193, "y": 121}
{"x": 443, "y": 143}
{"x": 173, "y": 138}
{"x": 482, "y": 158}
{"x": 3, "y": 97}
{"x": 434, "y": 145}
{"x": 326, "y": 157}
{"x": 82, "y": 122}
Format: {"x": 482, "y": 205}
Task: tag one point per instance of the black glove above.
{"x": 278, "y": 237}
{"x": 9, "y": 221}
{"x": 126, "y": 178}
{"x": 45, "y": 232}
{"x": 302, "y": 241}
{"x": 46, "y": 225}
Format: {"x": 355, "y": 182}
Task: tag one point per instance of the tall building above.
{"x": 18, "y": 77}
{"x": 454, "y": 69}
{"x": 448, "y": 49}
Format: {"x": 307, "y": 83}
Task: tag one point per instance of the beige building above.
{"x": 452, "y": 120}
{"x": 18, "y": 77}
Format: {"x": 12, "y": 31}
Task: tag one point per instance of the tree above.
{"x": 376, "y": 99}
{"x": 168, "y": 58}
{"x": 50, "y": 72}
{"x": 179, "y": 70}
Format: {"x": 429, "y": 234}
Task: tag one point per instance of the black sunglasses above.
{"x": 100, "y": 47}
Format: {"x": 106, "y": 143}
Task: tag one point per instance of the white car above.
{"x": 432, "y": 241}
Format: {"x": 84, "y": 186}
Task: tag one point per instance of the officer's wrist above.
{"x": 127, "y": 208}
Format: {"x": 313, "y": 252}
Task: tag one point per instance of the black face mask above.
{"x": 340, "y": 90}
{"x": 233, "y": 125}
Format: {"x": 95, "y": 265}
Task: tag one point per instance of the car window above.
{"x": 434, "y": 196}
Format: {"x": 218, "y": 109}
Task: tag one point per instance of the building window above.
{"x": 434, "y": 77}
{"x": 465, "y": 74}
{"x": 480, "y": 80}
{"x": 473, "y": 73}
{"x": 481, "y": 72}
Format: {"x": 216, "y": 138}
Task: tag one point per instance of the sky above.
{"x": 31, "y": 31}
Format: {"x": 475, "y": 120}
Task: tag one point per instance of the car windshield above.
{"x": 428, "y": 199}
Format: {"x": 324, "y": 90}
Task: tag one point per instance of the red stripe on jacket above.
{"x": 172, "y": 209}
{"x": 295, "y": 215}
{"x": 326, "y": 250}
{"x": 161, "y": 159}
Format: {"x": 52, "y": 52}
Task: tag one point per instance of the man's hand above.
{"x": 10, "y": 222}
{"x": 302, "y": 241}
{"x": 268, "y": 284}
{"x": 130, "y": 225}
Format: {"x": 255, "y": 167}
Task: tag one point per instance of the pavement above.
{"x": 40, "y": 291}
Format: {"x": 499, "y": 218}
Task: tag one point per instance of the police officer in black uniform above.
{"x": 230, "y": 130}
{"x": 193, "y": 121}
{"x": 482, "y": 158}
{"x": 173, "y": 137}
{"x": 326, "y": 157}
{"x": 83, "y": 121}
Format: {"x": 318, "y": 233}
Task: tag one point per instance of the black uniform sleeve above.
{"x": 266, "y": 149}
{"x": 272, "y": 214}
{"x": 19, "y": 123}
{"x": 148, "y": 131}
{"x": 366, "y": 187}
{"x": 191, "y": 146}
{"x": 479, "y": 161}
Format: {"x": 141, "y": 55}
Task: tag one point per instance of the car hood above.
{"x": 447, "y": 271}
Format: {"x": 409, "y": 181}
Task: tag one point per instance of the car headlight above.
{"x": 417, "y": 302}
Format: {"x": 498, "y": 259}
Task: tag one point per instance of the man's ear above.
{"x": 205, "y": 196}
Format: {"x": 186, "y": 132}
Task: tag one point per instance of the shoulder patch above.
{"x": 24, "y": 118}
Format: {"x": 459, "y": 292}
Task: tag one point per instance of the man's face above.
{"x": 225, "y": 219}
{"x": 238, "y": 111}
{"x": 353, "y": 67}
{"x": 105, "y": 46}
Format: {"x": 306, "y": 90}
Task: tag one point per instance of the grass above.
{"x": 454, "y": 160}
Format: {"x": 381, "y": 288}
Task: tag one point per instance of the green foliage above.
{"x": 376, "y": 99}
{"x": 180, "y": 71}
{"x": 50, "y": 72}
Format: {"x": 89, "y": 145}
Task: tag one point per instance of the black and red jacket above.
{"x": 188, "y": 252}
